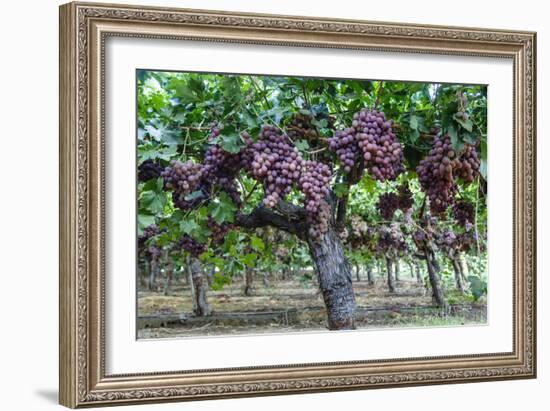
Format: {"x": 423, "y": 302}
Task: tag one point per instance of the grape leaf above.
{"x": 195, "y": 230}
{"x": 249, "y": 259}
{"x": 302, "y": 145}
{"x": 413, "y": 122}
{"x": 152, "y": 201}
{"x": 256, "y": 243}
{"x": 340, "y": 189}
{"x": 144, "y": 220}
{"x": 229, "y": 140}
{"x": 466, "y": 124}
{"x": 320, "y": 123}
{"x": 223, "y": 210}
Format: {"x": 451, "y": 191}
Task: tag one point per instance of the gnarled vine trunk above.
{"x": 248, "y": 280}
{"x": 433, "y": 275}
{"x": 389, "y": 269}
{"x": 169, "y": 275}
{"x": 397, "y": 270}
{"x": 458, "y": 274}
{"x": 154, "y": 268}
{"x": 335, "y": 280}
{"x": 200, "y": 306}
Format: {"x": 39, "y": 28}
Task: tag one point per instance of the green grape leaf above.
{"x": 144, "y": 221}
{"x": 340, "y": 189}
{"x": 465, "y": 124}
{"x": 249, "y": 259}
{"x": 230, "y": 140}
{"x": 152, "y": 201}
{"x": 478, "y": 287}
{"x": 302, "y": 145}
{"x": 413, "y": 122}
{"x": 257, "y": 244}
{"x": 222, "y": 210}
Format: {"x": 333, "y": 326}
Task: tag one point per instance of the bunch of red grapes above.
{"x": 438, "y": 172}
{"x": 369, "y": 143}
{"x": 149, "y": 170}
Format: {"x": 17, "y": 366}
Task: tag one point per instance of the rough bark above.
{"x": 433, "y": 275}
{"x": 189, "y": 280}
{"x": 153, "y": 273}
{"x": 199, "y": 287}
{"x": 458, "y": 274}
{"x": 389, "y": 269}
{"x": 169, "y": 275}
{"x": 357, "y": 271}
{"x": 333, "y": 271}
{"x": 335, "y": 282}
{"x": 143, "y": 273}
{"x": 248, "y": 282}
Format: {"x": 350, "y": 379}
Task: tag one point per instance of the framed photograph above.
{"x": 259, "y": 204}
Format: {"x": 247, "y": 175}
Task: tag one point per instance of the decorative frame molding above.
{"x": 83, "y": 30}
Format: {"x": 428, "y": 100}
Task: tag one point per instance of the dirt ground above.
{"x": 286, "y": 306}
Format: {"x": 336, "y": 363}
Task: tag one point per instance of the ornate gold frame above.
{"x": 83, "y": 30}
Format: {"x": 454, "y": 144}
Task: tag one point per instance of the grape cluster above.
{"x": 219, "y": 164}
{"x": 148, "y": 232}
{"x": 405, "y": 197}
{"x": 469, "y": 163}
{"x": 447, "y": 241}
{"x": 221, "y": 167}
{"x": 314, "y": 183}
{"x": 218, "y": 231}
{"x": 425, "y": 232}
{"x": 154, "y": 252}
{"x": 183, "y": 202}
{"x": 344, "y": 144}
{"x": 300, "y": 127}
{"x": 437, "y": 172}
{"x": 360, "y": 232}
{"x": 388, "y": 203}
{"x": 468, "y": 240}
{"x": 344, "y": 234}
{"x": 370, "y": 143}
{"x": 149, "y": 170}
{"x": 318, "y": 221}
{"x": 192, "y": 246}
{"x": 276, "y": 163}
{"x": 450, "y": 242}
{"x": 464, "y": 213}
{"x": 182, "y": 178}
{"x": 420, "y": 237}
{"x": 391, "y": 239}
{"x": 359, "y": 227}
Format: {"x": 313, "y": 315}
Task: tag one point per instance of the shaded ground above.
{"x": 290, "y": 306}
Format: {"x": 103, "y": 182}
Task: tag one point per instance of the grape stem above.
{"x": 250, "y": 192}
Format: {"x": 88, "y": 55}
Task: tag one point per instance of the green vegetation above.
{"x": 314, "y": 181}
